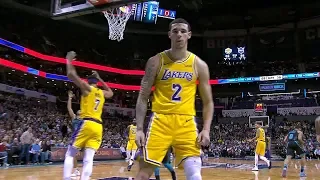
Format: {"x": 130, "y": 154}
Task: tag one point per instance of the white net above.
{"x": 117, "y": 20}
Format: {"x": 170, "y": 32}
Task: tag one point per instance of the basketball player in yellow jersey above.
{"x": 131, "y": 145}
{"x": 89, "y": 134}
{"x": 174, "y": 73}
{"x": 260, "y": 147}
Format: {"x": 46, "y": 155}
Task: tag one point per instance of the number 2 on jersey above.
{"x": 176, "y": 92}
{"x": 96, "y": 104}
{"x": 133, "y": 130}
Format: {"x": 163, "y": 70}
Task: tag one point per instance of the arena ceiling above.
{"x": 226, "y": 14}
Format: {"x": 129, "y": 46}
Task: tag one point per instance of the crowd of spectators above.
{"x": 231, "y": 140}
{"x": 29, "y": 128}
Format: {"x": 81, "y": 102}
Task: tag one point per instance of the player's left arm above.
{"x": 107, "y": 91}
{"x": 286, "y": 138}
{"x": 205, "y": 93}
{"x": 127, "y": 131}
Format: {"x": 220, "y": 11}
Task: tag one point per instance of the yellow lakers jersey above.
{"x": 132, "y": 132}
{"x": 91, "y": 106}
{"x": 175, "y": 86}
{"x": 261, "y": 134}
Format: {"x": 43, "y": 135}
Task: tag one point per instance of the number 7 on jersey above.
{"x": 96, "y": 104}
{"x": 176, "y": 92}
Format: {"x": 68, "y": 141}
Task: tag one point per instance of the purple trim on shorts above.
{"x": 76, "y": 132}
{"x": 146, "y": 159}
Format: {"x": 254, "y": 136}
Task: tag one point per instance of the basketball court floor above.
{"x": 214, "y": 169}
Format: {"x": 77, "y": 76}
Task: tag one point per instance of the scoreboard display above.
{"x": 235, "y": 54}
{"x": 169, "y": 14}
{"x": 272, "y": 87}
{"x": 146, "y": 12}
{"x": 258, "y": 107}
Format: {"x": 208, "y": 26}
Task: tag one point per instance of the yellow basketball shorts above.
{"x": 131, "y": 145}
{"x": 261, "y": 148}
{"x": 88, "y": 135}
{"x": 166, "y": 130}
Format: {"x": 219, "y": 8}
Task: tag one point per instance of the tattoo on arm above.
{"x": 145, "y": 91}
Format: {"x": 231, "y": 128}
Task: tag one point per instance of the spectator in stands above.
{"x": 317, "y": 153}
{"x": 15, "y": 150}
{"x": 46, "y": 152}
{"x": 64, "y": 130}
{"x": 3, "y": 152}
{"x": 35, "y": 151}
{"x": 26, "y": 140}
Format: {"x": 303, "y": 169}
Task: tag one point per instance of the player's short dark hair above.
{"x": 92, "y": 79}
{"x": 180, "y": 20}
{"x": 259, "y": 123}
{"x": 298, "y": 126}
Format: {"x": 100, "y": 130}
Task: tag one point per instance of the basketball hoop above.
{"x": 117, "y": 20}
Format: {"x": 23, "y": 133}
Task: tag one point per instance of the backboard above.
{"x": 63, "y": 9}
{"x": 263, "y": 119}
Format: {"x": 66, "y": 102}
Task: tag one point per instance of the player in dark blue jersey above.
{"x": 166, "y": 163}
{"x": 295, "y": 143}
{"x": 75, "y": 125}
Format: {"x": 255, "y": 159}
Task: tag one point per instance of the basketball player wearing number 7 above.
{"x": 174, "y": 73}
{"x": 88, "y": 136}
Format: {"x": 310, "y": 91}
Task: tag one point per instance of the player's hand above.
{"x": 318, "y": 138}
{"x": 140, "y": 138}
{"x": 71, "y": 56}
{"x": 204, "y": 138}
{"x": 96, "y": 74}
{"x": 70, "y": 94}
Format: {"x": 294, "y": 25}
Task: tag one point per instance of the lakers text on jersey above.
{"x": 175, "y": 86}
{"x": 261, "y": 142}
{"x": 173, "y": 107}
{"x": 89, "y": 133}
{"x": 131, "y": 145}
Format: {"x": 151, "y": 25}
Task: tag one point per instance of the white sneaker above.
{"x": 76, "y": 173}
{"x": 255, "y": 168}
{"x": 5, "y": 166}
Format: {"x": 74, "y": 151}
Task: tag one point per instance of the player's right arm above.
{"x": 300, "y": 137}
{"x": 269, "y": 142}
{"x": 69, "y": 105}
{"x": 72, "y": 74}
{"x": 257, "y": 135}
{"x": 142, "y": 103}
{"x": 317, "y": 124}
